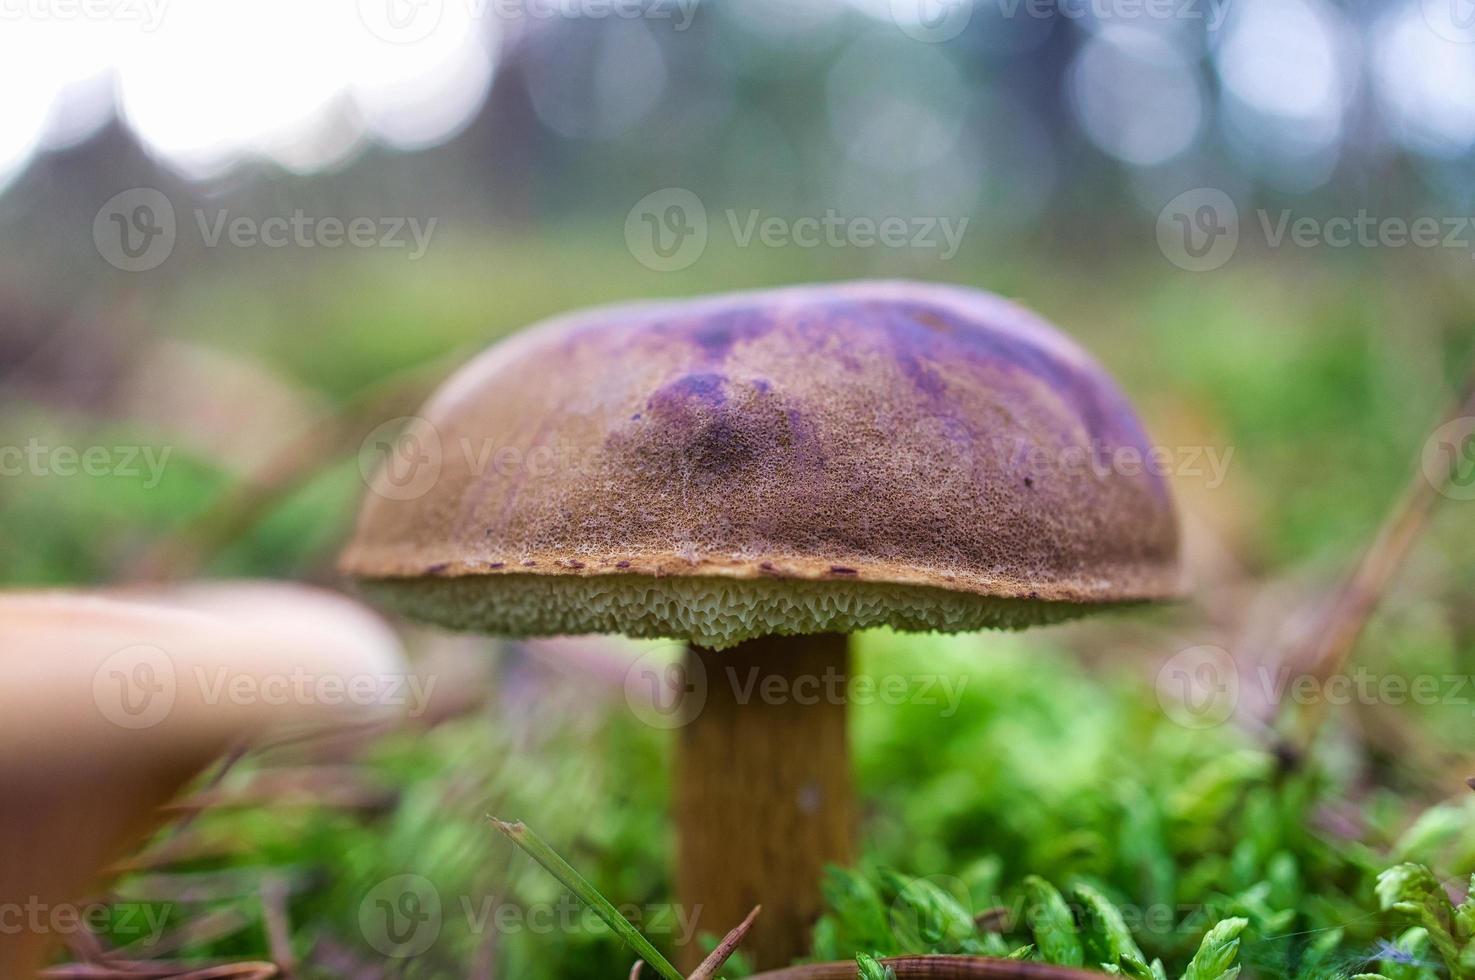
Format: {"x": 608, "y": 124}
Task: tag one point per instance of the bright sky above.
{"x": 305, "y": 83}
{"x": 205, "y": 83}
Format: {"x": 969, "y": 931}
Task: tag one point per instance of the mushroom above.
{"x": 760, "y": 474}
{"x": 110, "y": 705}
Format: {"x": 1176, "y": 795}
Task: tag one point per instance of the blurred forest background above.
{"x": 1122, "y": 167}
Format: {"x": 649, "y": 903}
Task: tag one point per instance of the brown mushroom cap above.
{"x": 818, "y": 458}
{"x": 109, "y": 706}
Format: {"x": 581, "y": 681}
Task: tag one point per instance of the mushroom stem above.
{"x": 763, "y": 793}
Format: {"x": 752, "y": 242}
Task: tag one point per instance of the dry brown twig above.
{"x": 724, "y": 950}
{"x": 274, "y": 893}
{"x": 1360, "y": 593}
{"x": 320, "y": 443}
{"x": 334, "y": 787}
{"x": 936, "y": 967}
{"x": 235, "y": 971}
{"x": 206, "y": 928}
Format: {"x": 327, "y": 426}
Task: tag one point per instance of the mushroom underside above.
{"x": 712, "y": 612}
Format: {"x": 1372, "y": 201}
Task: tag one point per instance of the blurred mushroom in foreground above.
{"x": 109, "y": 705}
{"x": 760, "y": 474}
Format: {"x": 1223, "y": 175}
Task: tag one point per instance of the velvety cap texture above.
{"x": 798, "y": 460}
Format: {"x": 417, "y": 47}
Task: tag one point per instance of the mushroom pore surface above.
{"x": 819, "y": 458}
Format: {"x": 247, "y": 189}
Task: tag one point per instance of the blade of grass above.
{"x": 538, "y": 850}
